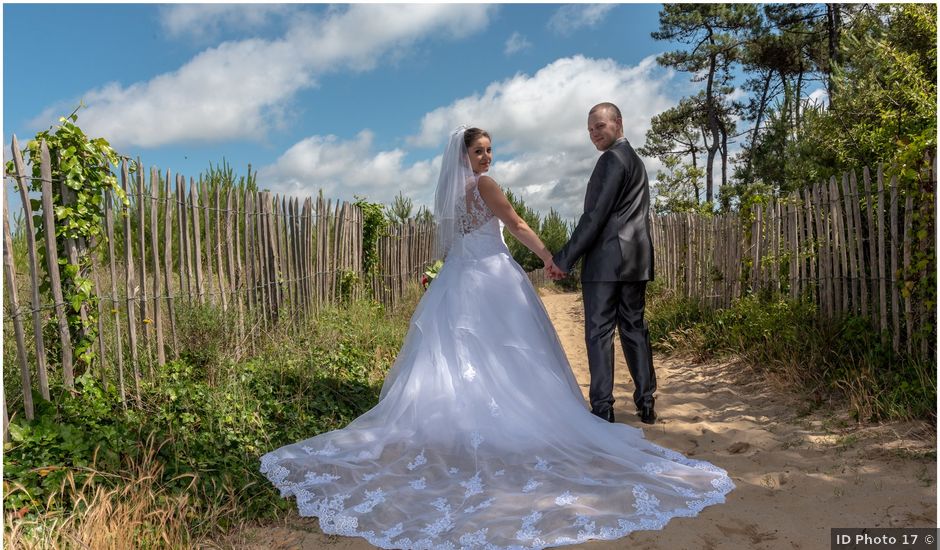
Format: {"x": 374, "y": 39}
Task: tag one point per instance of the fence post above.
{"x": 168, "y": 262}
{"x": 119, "y": 344}
{"x": 882, "y": 268}
{"x": 129, "y": 286}
{"x": 21, "y": 179}
{"x": 218, "y": 249}
{"x": 859, "y": 265}
{"x": 52, "y": 264}
{"x": 142, "y": 250}
{"x": 197, "y": 239}
{"x": 9, "y": 272}
{"x": 893, "y": 225}
{"x": 155, "y": 250}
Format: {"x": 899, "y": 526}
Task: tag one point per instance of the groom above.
{"x": 613, "y": 236}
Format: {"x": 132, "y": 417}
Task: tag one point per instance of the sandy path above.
{"x": 798, "y": 473}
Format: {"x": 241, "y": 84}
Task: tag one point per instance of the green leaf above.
{"x": 17, "y": 433}
{"x": 85, "y": 287}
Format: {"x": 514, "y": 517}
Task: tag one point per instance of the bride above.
{"x": 481, "y": 437}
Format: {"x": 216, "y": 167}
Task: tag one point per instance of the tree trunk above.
{"x": 762, "y": 106}
{"x": 833, "y": 25}
{"x": 784, "y": 118}
{"x": 724, "y": 154}
{"x": 709, "y": 191}
{"x": 712, "y": 116}
{"x": 709, "y": 155}
{"x": 798, "y": 100}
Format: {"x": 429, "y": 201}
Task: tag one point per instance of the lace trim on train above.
{"x": 338, "y": 518}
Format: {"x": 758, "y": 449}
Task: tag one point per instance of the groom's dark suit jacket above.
{"x": 613, "y": 234}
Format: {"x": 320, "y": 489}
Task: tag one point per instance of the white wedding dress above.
{"x": 481, "y": 438}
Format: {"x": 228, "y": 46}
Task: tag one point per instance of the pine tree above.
{"x": 715, "y": 34}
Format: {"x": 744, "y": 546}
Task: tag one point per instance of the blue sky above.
{"x": 354, "y": 99}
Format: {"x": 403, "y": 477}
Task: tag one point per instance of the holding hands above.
{"x": 553, "y": 271}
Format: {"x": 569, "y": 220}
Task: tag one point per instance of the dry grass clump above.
{"x": 132, "y": 509}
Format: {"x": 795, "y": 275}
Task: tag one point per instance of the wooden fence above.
{"x": 405, "y": 252}
{"x": 268, "y": 260}
{"x": 262, "y": 258}
{"x": 845, "y": 244}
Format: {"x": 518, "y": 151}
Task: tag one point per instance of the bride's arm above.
{"x": 498, "y": 203}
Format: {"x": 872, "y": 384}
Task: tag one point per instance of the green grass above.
{"x": 203, "y": 423}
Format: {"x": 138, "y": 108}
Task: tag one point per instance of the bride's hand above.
{"x": 552, "y": 270}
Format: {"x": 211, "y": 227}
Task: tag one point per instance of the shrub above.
{"x": 206, "y": 426}
{"x": 845, "y": 359}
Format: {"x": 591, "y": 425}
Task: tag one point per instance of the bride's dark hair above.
{"x": 472, "y": 134}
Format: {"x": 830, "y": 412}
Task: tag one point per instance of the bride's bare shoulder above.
{"x": 487, "y": 182}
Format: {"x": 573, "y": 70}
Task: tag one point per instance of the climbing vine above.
{"x": 81, "y": 174}
{"x": 374, "y": 224}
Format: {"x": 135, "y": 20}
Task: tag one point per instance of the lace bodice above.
{"x": 479, "y": 231}
{"x": 475, "y": 213}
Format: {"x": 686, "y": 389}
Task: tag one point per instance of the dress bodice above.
{"x": 480, "y": 232}
{"x": 476, "y": 213}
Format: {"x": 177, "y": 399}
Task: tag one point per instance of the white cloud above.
{"x": 231, "y": 91}
{"x": 516, "y": 43}
{"x": 344, "y": 168}
{"x": 203, "y": 22}
{"x": 539, "y": 129}
{"x": 242, "y": 89}
{"x": 817, "y": 98}
{"x": 547, "y": 111}
{"x": 573, "y": 17}
{"x": 358, "y": 37}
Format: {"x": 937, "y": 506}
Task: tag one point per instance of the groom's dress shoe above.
{"x": 647, "y": 415}
{"x": 607, "y": 415}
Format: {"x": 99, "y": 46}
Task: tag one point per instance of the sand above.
{"x": 798, "y": 471}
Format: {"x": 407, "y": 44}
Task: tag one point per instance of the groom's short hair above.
{"x": 610, "y": 107}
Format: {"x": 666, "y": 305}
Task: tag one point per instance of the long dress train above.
{"x": 481, "y": 437}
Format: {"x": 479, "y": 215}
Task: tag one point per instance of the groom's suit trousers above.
{"x": 620, "y": 304}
